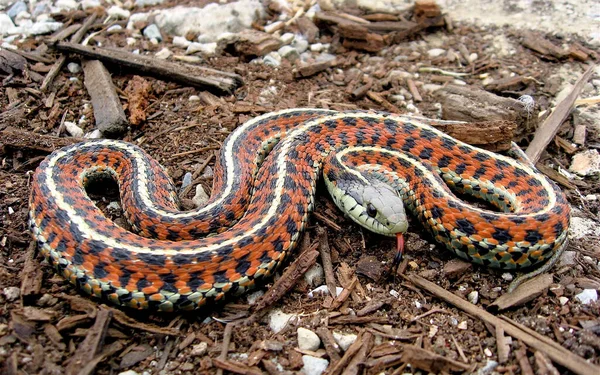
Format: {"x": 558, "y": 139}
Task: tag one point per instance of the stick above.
{"x": 562, "y": 356}
{"x": 325, "y": 253}
{"x": 205, "y": 78}
{"x": 549, "y": 127}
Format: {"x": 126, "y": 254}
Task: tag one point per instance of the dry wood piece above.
{"x": 252, "y": 43}
{"x": 412, "y": 87}
{"x": 371, "y": 43}
{"x": 556, "y": 352}
{"x": 331, "y": 347}
{"x": 353, "y": 31}
{"x": 289, "y": 278}
{"x": 502, "y": 344}
{"x": 549, "y": 127}
{"x": 377, "y": 98}
{"x": 466, "y": 103}
{"x": 426, "y": 10}
{"x": 76, "y": 38}
{"x": 138, "y": 91}
{"x": 235, "y": 367}
{"x": 325, "y": 252}
{"x": 205, "y": 78}
{"x": 357, "y": 362}
{"x": 350, "y": 353}
{"x": 125, "y": 320}
{"x": 307, "y": 28}
{"x": 108, "y": 111}
{"x": 31, "y": 277}
{"x": 524, "y": 293}
{"x": 312, "y": 69}
{"x": 431, "y": 362}
{"x": 523, "y": 361}
{"x": 543, "y": 46}
{"x": 92, "y": 343}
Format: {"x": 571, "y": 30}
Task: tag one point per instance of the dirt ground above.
{"x": 42, "y": 332}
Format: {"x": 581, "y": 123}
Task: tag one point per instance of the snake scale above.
{"x": 263, "y": 193}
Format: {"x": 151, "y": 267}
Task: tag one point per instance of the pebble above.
{"x": 94, "y": 134}
{"x": 118, "y": 13}
{"x": 315, "y": 275}
{"x": 131, "y": 41}
{"x": 180, "y": 41}
{"x": 272, "y": 59}
{"x": 199, "y": 349}
{"x": 507, "y": 276}
{"x": 344, "y": 340}
{"x": 253, "y": 297}
{"x": 163, "y": 54}
{"x": 16, "y": 8}
{"x": 289, "y": 53}
{"x": 67, "y": 4}
{"x": 586, "y": 163}
{"x": 563, "y": 300}
{"x": 73, "y": 129}
{"x": 278, "y": 320}
{"x": 114, "y": 29}
{"x": 205, "y": 48}
{"x": 324, "y": 291}
{"x": 74, "y": 67}
{"x": 488, "y": 368}
{"x": 287, "y": 38}
{"x": 436, "y": 52}
{"x": 41, "y": 28}
{"x": 307, "y": 339}
{"x": 582, "y": 227}
{"x": 144, "y": 3}
{"x": 473, "y": 297}
{"x": 200, "y": 197}
{"x": 314, "y": 365}
{"x": 86, "y": 4}
{"x": 153, "y": 32}
{"x": 462, "y": 325}
{"x": 317, "y": 47}
{"x": 587, "y": 296}
{"x": 300, "y": 44}
{"x": 11, "y": 293}
{"x": 129, "y": 372}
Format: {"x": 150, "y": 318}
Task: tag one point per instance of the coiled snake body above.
{"x": 265, "y": 183}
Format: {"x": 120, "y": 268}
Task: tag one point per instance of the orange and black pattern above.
{"x": 266, "y": 204}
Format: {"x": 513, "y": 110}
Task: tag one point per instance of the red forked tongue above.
{"x": 400, "y": 244}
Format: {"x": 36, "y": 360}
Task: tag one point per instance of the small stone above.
{"x": 289, "y": 53}
{"x": 582, "y": 227}
{"x": 66, "y": 4}
{"x": 145, "y": 3}
{"x": 205, "y": 48}
{"x": 300, "y": 44}
{"x": 324, "y": 291}
{"x": 152, "y": 32}
{"x": 315, "y": 275}
{"x": 472, "y": 57}
{"x": 129, "y": 372}
{"x": 199, "y": 349}
{"x": 16, "y": 8}
{"x": 194, "y": 98}
{"x": 200, "y": 197}
{"x": 180, "y": 41}
{"x": 272, "y": 59}
{"x": 287, "y": 38}
{"x": 278, "y": 320}
{"x": 586, "y": 163}
{"x": 587, "y": 296}
{"x": 455, "y": 268}
{"x": 41, "y": 28}
{"x": 253, "y": 297}
{"x": 344, "y": 340}
{"x": 563, "y": 300}
{"x": 74, "y": 67}
{"x": 11, "y": 293}
{"x": 94, "y": 134}
{"x": 488, "y": 352}
{"x": 308, "y": 340}
{"x": 507, "y": 276}
{"x": 163, "y": 54}
{"x": 462, "y": 325}
{"x": 118, "y": 13}
{"x": 317, "y": 47}
{"x": 86, "y": 4}
{"x": 394, "y": 293}
{"x": 6, "y": 24}
{"x": 436, "y": 52}
{"x": 73, "y": 129}
{"x": 314, "y": 365}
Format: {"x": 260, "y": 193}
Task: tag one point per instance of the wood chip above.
{"x": 308, "y": 70}
{"x": 91, "y": 345}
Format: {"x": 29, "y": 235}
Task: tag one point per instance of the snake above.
{"x": 380, "y": 169}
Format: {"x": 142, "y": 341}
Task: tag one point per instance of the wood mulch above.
{"x": 418, "y": 320}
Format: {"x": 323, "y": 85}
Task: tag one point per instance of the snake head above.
{"x": 370, "y": 203}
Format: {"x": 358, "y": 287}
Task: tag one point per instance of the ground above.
{"x": 41, "y": 333}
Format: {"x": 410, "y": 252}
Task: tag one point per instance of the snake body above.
{"x": 265, "y": 183}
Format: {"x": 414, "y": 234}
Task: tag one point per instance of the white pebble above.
{"x": 287, "y": 38}
{"x": 205, "y": 48}
{"x": 180, "y": 41}
{"x": 587, "y": 296}
{"x": 152, "y": 32}
{"x": 11, "y": 293}
{"x": 436, "y": 52}
{"x": 253, "y": 297}
{"x": 314, "y": 276}
{"x": 323, "y": 290}
{"x": 307, "y": 339}
{"x": 118, "y": 12}
{"x": 278, "y": 320}
{"x": 344, "y": 340}
{"x": 85, "y": 4}
{"x": 163, "y": 54}
{"x": 507, "y": 276}
{"x": 199, "y": 349}
{"x": 73, "y": 129}
{"x": 194, "y": 98}
{"x": 200, "y": 197}
{"x": 74, "y": 67}
{"x": 314, "y": 365}
{"x": 462, "y": 325}
{"x": 114, "y": 29}
{"x": 563, "y": 300}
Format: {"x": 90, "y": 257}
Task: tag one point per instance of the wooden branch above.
{"x": 549, "y": 127}
{"x": 556, "y": 352}
{"x": 205, "y": 78}
{"x": 17, "y": 139}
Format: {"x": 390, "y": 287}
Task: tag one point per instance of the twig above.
{"x": 350, "y": 353}
{"x": 549, "y": 127}
{"x": 325, "y": 253}
{"x": 459, "y": 349}
{"x": 225, "y": 344}
{"x": 327, "y": 221}
{"x": 91, "y": 344}
{"x": 196, "y": 151}
{"x": 356, "y": 363}
{"x": 562, "y": 356}
{"x": 331, "y": 347}
{"x": 76, "y": 38}
{"x": 502, "y": 345}
{"x": 523, "y": 361}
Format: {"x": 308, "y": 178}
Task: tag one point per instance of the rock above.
{"x": 73, "y": 129}
{"x": 67, "y": 4}
{"x": 200, "y": 197}
{"x": 289, "y": 53}
{"x": 153, "y": 32}
{"x": 272, "y": 59}
{"x": 11, "y": 293}
{"x": 145, "y": 3}
{"x": 86, "y": 4}
{"x": 324, "y": 290}
{"x": 308, "y": 340}
{"x": 456, "y": 268}
{"x": 204, "y": 48}
{"x": 41, "y": 28}
{"x": 211, "y": 20}
{"x": 16, "y": 8}
{"x": 582, "y": 227}
{"x": 74, "y": 67}
{"x": 199, "y": 349}
{"x": 6, "y": 24}
{"x": 563, "y": 300}
{"x": 163, "y": 54}
{"x": 253, "y": 297}
{"x": 344, "y": 340}
{"x": 317, "y": 47}
{"x": 180, "y": 41}
{"x": 586, "y": 163}
{"x": 114, "y": 29}
{"x": 436, "y": 52}
{"x": 129, "y": 372}
{"x": 300, "y": 44}
{"x": 473, "y": 297}
{"x": 118, "y": 13}
{"x": 278, "y": 320}
{"x": 587, "y": 296}
{"x": 507, "y": 276}
{"x": 315, "y": 275}
{"x": 287, "y": 38}
{"x": 314, "y": 365}
{"x": 137, "y": 18}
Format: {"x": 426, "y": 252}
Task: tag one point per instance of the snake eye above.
{"x": 371, "y": 210}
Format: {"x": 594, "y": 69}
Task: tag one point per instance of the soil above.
{"x": 43, "y": 331}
